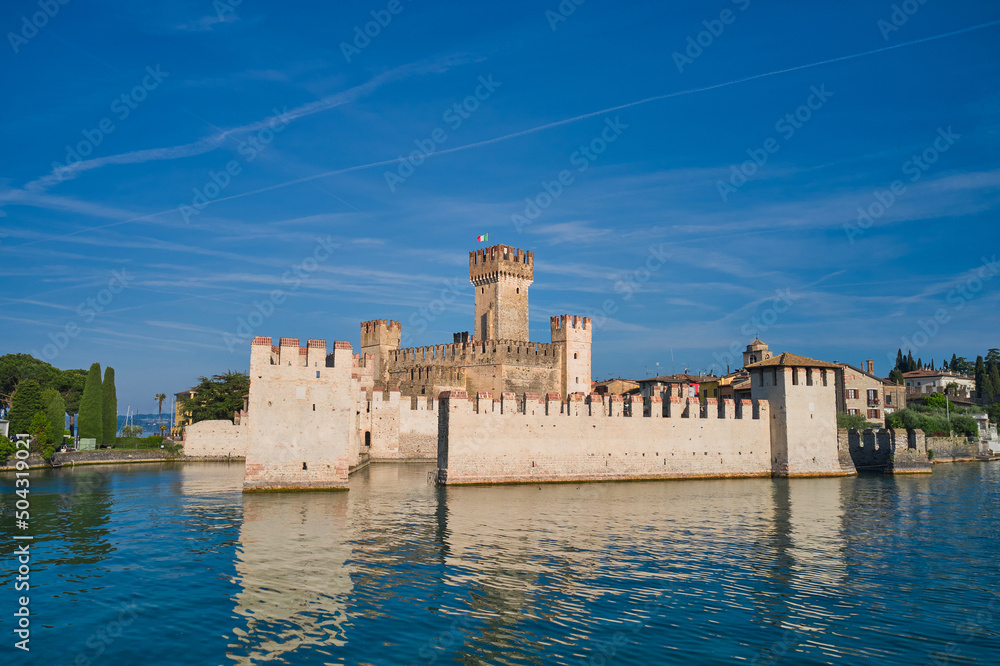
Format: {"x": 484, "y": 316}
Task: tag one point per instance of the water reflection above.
{"x": 291, "y": 570}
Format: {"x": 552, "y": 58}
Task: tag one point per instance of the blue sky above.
{"x": 171, "y": 169}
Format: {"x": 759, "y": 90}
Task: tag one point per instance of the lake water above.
{"x": 172, "y": 564}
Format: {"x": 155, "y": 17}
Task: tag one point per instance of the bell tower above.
{"x": 501, "y": 276}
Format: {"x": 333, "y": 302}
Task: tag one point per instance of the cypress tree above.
{"x": 109, "y": 407}
{"x": 89, "y": 421}
{"x": 24, "y": 404}
{"x": 56, "y": 411}
{"x": 899, "y": 360}
{"x": 954, "y": 363}
{"x": 920, "y": 364}
{"x": 994, "y": 376}
{"x": 980, "y": 373}
{"x": 911, "y": 365}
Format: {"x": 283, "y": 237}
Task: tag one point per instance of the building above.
{"x": 496, "y": 356}
{"x": 617, "y": 386}
{"x": 181, "y": 417}
{"x": 935, "y": 381}
{"x": 868, "y": 395}
{"x": 801, "y": 393}
{"x": 690, "y": 385}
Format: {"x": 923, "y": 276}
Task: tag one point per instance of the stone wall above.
{"x": 954, "y": 449}
{"x": 216, "y": 439}
{"x": 887, "y": 451}
{"x": 401, "y": 428}
{"x": 303, "y": 412}
{"x": 496, "y": 441}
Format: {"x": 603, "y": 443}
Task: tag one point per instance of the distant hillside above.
{"x": 147, "y": 421}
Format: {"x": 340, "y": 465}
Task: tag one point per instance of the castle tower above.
{"x": 378, "y": 338}
{"x": 501, "y": 276}
{"x": 571, "y": 335}
{"x": 756, "y": 351}
{"x": 802, "y": 394}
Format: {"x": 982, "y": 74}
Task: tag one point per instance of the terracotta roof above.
{"x": 787, "y": 360}
{"x": 932, "y": 373}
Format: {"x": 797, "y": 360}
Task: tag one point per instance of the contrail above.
{"x": 557, "y": 123}
{"x": 611, "y": 109}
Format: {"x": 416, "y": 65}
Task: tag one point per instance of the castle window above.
{"x": 577, "y": 380}
{"x": 795, "y": 376}
{"x": 317, "y": 374}
{"x": 823, "y": 375}
{"x": 761, "y": 380}
{"x": 517, "y": 291}
{"x": 774, "y": 377}
{"x": 314, "y": 407}
{"x": 482, "y": 290}
{"x": 753, "y": 359}
{"x": 574, "y": 354}
{"x": 809, "y": 377}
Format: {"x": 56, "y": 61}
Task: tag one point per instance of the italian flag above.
{"x": 484, "y": 238}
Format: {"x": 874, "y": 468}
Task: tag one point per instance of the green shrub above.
{"x": 855, "y": 422}
{"x": 7, "y": 449}
{"x": 151, "y": 442}
{"x": 965, "y": 425}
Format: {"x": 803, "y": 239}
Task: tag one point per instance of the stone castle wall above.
{"x": 886, "y": 451}
{"x": 501, "y": 441}
{"x": 401, "y": 428}
{"x": 302, "y": 415}
{"x": 216, "y": 439}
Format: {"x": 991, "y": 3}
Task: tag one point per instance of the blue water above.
{"x": 171, "y": 564}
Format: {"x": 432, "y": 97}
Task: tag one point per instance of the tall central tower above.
{"x": 501, "y": 276}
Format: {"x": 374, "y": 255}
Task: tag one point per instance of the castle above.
{"x": 493, "y": 407}
{"x": 497, "y": 357}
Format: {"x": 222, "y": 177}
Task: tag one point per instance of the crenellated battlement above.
{"x": 597, "y": 405}
{"x": 564, "y": 326}
{"x": 488, "y": 264}
{"x": 476, "y": 353}
{"x": 288, "y": 353}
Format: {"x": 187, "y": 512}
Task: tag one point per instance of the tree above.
{"x": 896, "y": 376}
{"x": 953, "y": 366}
{"x": 899, "y": 360}
{"x": 55, "y": 408}
{"x": 40, "y": 431}
{"x": 993, "y": 355}
{"x": 920, "y": 363}
{"x": 160, "y": 397}
{"x": 994, "y": 377}
{"x": 91, "y": 422}
{"x": 131, "y": 431}
{"x": 980, "y": 373}
{"x": 109, "y": 407}
{"x": 25, "y": 403}
{"x": 911, "y": 365}
{"x": 936, "y": 400}
{"x": 218, "y": 397}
